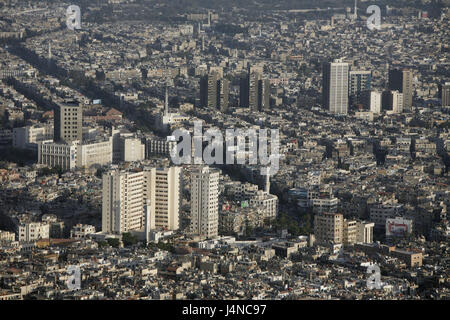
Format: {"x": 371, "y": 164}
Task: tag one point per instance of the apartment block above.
{"x": 204, "y": 202}
{"x": 123, "y": 201}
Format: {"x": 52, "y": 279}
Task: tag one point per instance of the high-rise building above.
{"x": 328, "y": 227}
{"x": 359, "y": 81}
{"x": 68, "y": 122}
{"x": 398, "y": 102}
{"x": 214, "y": 91}
{"x": 445, "y": 94}
{"x": 223, "y": 94}
{"x": 333, "y": 228}
{"x": 393, "y": 101}
{"x": 375, "y": 101}
{"x": 402, "y": 81}
{"x": 244, "y": 91}
{"x": 254, "y": 90}
{"x": 123, "y": 201}
{"x": 205, "y": 202}
{"x": 163, "y": 190}
{"x": 335, "y": 87}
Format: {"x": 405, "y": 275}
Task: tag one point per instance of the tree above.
{"x": 100, "y": 172}
{"x": 113, "y": 242}
{"x": 128, "y": 239}
{"x": 102, "y": 244}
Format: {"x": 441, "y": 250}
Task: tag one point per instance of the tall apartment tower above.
{"x": 445, "y": 94}
{"x": 335, "y": 87}
{"x": 375, "y": 102}
{"x": 122, "y": 201}
{"x": 328, "y": 227}
{"x": 205, "y": 202}
{"x": 393, "y": 101}
{"x": 402, "y": 81}
{"x": 163, "y": 191}
{"x": 359, "y": 82}
{"x": 214, "y": 92}
{"x": 254, "y": 90}
{"x": 68, "y": 123}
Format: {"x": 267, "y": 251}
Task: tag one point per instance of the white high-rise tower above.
{"x": 162, "y": 189}
{"x": 205, "y": 202}
{"x": 166, "y": 103}
{"x": 335, "y": 86}
{"x": 122, "y": 205}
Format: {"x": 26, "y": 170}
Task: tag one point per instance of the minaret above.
{"x": 50, "y": 56}
{"x": 166, "y": 103}
{"x": 267, "y": 187}
{"x": 49, "y": 51}
{"x": 149, "y": 224}
{"x": 356, "y": 9}
{"x": 203, "y": 42}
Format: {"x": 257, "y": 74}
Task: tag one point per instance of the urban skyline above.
{"x": 224, "y": 150}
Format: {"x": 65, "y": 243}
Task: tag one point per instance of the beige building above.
{"x": 364, "y": 233}
{"x": 349, "y": 231}
{"x": 332, "y": 227}
{"x": 32, "y": 231}
{"x": 75, "y": 155}
{"x": 7, "y": 236}
{"x": 95, "y": 153}
{"x": 68, "y": 121}
{"x": 54, "y": 154}
{"x": 29, "y": 137}
{"x": 80, "y": 231}
{"x": 205, "y": 202}
{"x": 328, "y": 227}
{"x": 268, "y": 201}
{"x": 122, "y": 204}
{"x": 163, "y": 190}
{"x": 131, "y": 149}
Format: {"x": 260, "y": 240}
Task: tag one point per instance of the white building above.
{"x": 163, "y": 190}
{"x": 375, "y": 102}
{"x": 32, "y": 231}
{"x": 159, "y": 147}
{"x": 268, "y": 201}
{"x": 127, "y": 147}
{"x": 205, "y": 202}
{"x": 397, "y": 102}
{"x": 70, "y": 156}
{"x": 131, "y": 149}
{"x": 29, "y": 137}
{"x": 7, "y": 236}
{"x": 95, "y": 153}
{"x": 335, "y": 86}
{"x": 81, "y": 231}
{"x": 58, "y": 154}
{"x": 398, "y": 226}
{"x": 364, "y": 232}
{"x": 122, "y": 204}
{"x": 381, "y": 212}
